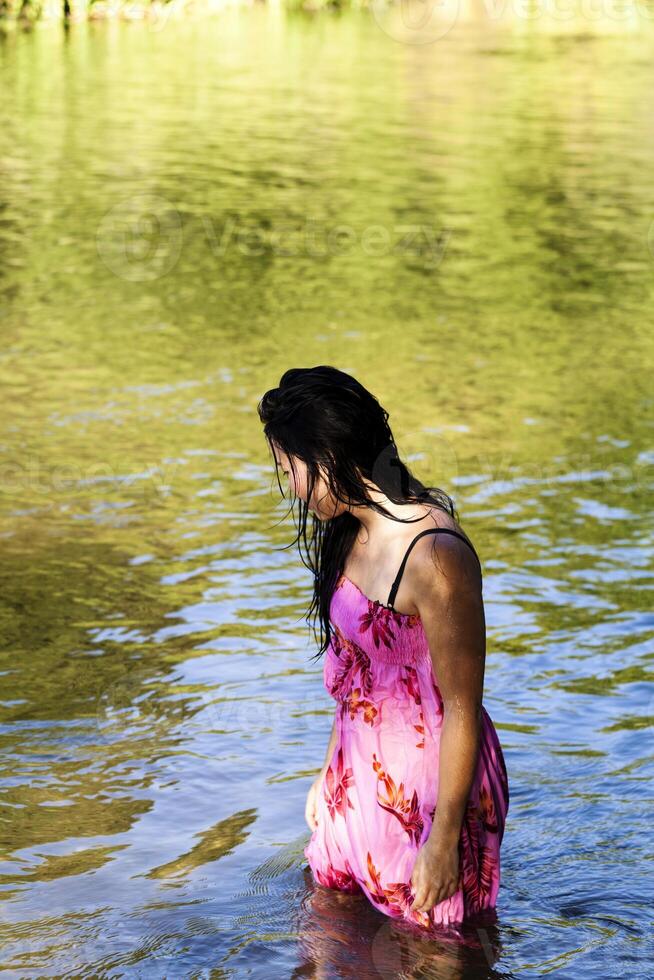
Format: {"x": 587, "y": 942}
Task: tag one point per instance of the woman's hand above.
{"x": 435, "y": 875}
{"x": 311, "y": 808}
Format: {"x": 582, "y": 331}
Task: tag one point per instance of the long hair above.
{"x": 327, "y": 419}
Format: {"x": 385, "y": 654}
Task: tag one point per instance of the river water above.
{"x": 464, "y": 221}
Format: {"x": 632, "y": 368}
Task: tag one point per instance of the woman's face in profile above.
{"x": 322, "y": 503}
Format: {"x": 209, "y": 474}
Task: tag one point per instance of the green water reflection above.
{"x": 467, "y": 227}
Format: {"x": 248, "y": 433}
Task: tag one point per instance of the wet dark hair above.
{"x": 326, "y": 418}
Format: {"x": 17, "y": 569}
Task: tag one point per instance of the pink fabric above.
{"x": 379, "y": 794}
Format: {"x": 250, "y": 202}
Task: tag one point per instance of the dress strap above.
{"x": 429, "y": 530}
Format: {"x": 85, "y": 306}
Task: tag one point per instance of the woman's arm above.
{"x": 452, "y": 610}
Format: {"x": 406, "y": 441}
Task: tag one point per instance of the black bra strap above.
{"x": 429, "y": 530}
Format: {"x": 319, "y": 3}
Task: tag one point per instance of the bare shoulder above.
{"x": 443, "y": 563}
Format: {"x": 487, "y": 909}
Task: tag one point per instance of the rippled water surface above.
{"x": 465, "y": 224}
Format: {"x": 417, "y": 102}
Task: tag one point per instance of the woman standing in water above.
{"x": 410, "y": 805}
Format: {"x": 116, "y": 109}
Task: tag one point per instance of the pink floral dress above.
{"x": 379, "y": 794}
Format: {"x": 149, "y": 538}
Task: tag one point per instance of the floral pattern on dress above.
{"x": 342, "y": 881}
{"x": 407, "y": 811}
{"x": 478, "y": 865}
{"x": 410, "y": 680}
{"x": 421, "y": 730}
{"x": 357, "y": 704}
{"x": 384, "y": 896}
{"x": 335, "y": 785}
{"x": 396, "y": 898}
{"x": 380, "y": 622}
{"x": 352, "y": 664}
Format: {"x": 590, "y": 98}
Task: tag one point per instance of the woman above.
{"x": 410, "y": 804}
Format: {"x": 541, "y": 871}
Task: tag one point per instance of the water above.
{"x": 186, "y": 211}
